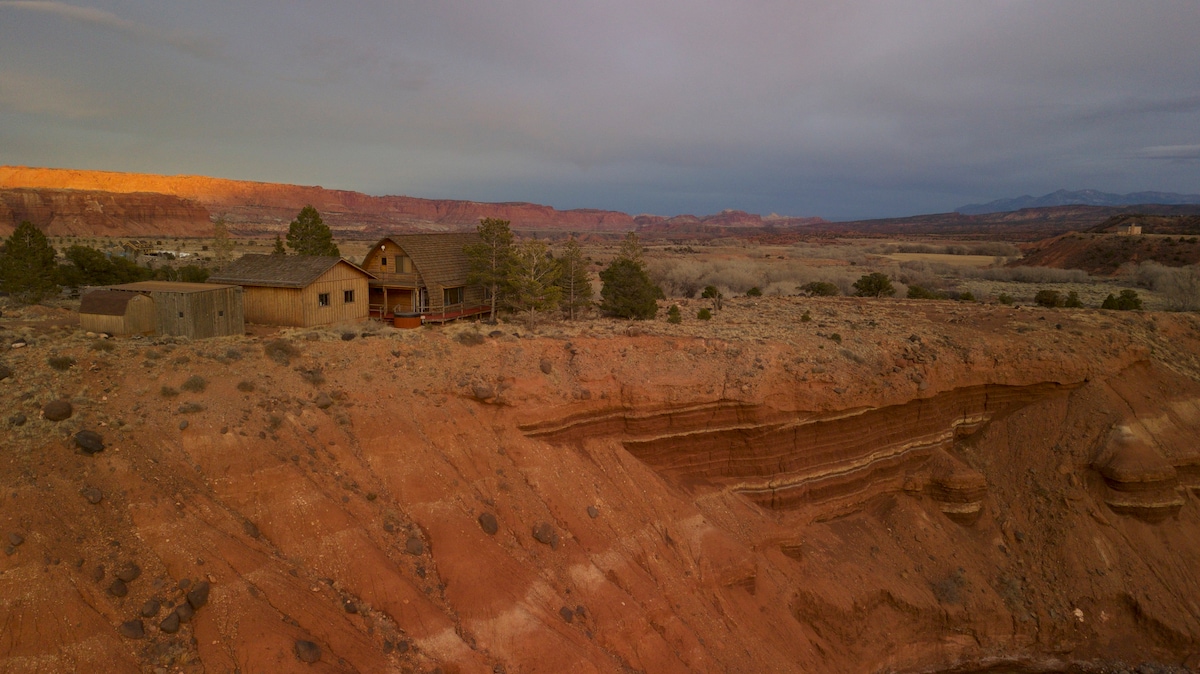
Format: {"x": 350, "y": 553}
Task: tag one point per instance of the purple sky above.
{"x": 832, "y": 108}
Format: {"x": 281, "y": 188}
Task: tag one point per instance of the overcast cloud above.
{"x": 833, "y": 108}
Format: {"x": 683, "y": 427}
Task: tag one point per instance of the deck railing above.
{"x": 392, "y": 277}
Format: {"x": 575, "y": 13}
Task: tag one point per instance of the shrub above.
{"x": 102, "y": 345}
{"x": 281, "y": 351}
{"x": 1005, "y": 299}
{"x": 245, "y": 386}
{"x": 704, "y": 315}
{"x": 1128, "y": 300}
{"x": 1073, "y": 301}
{"x": 711, "y": 292}
{"x": 805, "y": 317}
{"x": 967, "y": 296}
{"x": 61, "y": 363}
{"x": 674, "y": 315}
{"x": 837, "y": 339}
{"x": 875, "y": 284}
{"x": 820, "y": 289}
{"x": 1048, "y": 298}
{"x": 195, "y": 384}
{"x": 168, "y": 391}
{"x": 754, "y": 292}
{"x": 916, "y": 292}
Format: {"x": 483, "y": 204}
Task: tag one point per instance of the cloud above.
{"x": 180, "y": 40}
{"x": 1171, "y": 152}
{"x": 34, "y": 94}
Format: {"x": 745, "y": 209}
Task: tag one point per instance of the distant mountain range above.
{"x": 1078, "y": 198}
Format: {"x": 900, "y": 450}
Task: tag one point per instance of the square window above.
{"x": 323, "y": 299}
{"x": 348, "y": 296}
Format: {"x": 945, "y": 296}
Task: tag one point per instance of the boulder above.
{"x": 90, "y": 442}
{"x": 57, "y": 410}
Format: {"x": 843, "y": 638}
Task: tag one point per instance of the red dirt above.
{"x": 939, "y": 496}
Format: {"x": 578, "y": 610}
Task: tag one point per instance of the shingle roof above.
{"x": 278, "y": 271}
{"x": 166, "y": 287}
{"x": 439, "y": 258}
{"x": 106, "y": 302}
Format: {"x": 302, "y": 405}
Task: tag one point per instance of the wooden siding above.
{"x": 138, "y": 319}
{"x": 212, "y": 313}
{"x": 299, "y": 307}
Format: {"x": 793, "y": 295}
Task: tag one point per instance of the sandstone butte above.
{"x": 948, "y": 487}
{"x": 70, "y": 201}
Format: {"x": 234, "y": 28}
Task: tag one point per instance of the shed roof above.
{"x": 165, "y": 287}
{"x": 105, "y": 302}
{"x": 439, "y": 258}
{"x": 279, "y": 271}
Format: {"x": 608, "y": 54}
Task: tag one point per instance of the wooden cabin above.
{"x": 298, "y": 290}
{"x": 194, "y": 310}
{"x": 423, "y": 274}
{"x": 117, "y": 313}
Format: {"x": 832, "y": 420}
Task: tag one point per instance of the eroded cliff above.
{"x": 947, "y": 487}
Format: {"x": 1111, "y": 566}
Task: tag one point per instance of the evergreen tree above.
{"x": 27, "y": 270}
{"x": 575, "y": 284}
{"x": 222, "y": 245}
{"x": 874, "y": 284}
{"x": 279, "y": 249}
{"x": 628, "y": 291}
{"x": 532, "y": 278}
{"x": 490, "y": 258}
{"x": 309, "y": 235}
{"x": 89, "y": 267}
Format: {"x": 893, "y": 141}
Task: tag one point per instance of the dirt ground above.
{"x": 807, "y": 485}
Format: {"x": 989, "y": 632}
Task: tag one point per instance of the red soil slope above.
{"x": 948, "y": 486}
{"x": 1104, "y": 254}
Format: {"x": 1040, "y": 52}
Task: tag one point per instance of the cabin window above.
{"x": 348, "y": 296}
{"x": 452, "y": 296}
{"x": 181, "y": 314}
{"x": 404, "y": 265}
{"x": 220, "y": 313}
{"x": 383, "y": 262}
{"x": 323, "y": 299}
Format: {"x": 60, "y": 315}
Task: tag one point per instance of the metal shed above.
{"x": 117, "y": 313}
{"x": 193, "y": 310}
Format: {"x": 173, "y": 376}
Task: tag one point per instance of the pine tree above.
{"x": 628, "y": 291}
{"x": 27, "y": 269}
{"x": 309, "y": 235}
{"x": 489, "y": 259}
{"x": 575, "y": 283}
{"x": 222, "y": 245}
{"x": 532, "y": 278}
{"x": 279, "y": 249}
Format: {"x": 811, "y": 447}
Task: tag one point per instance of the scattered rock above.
{"x": 90, "y": 442}
{"x": 495, "y": 333}
{"x": 470, "y": 338}
{"x": 183, "y": 425}
{"x": 546, "y": 366}
{"x": 170, "y": 624}
{"x": 545, "y": 534}
{"x": 567, "y": 614}
{"x": 488, "y": 523}
{"x": 98, "y": 573}
{"x": 350, "y": 607}
{"x": 348, "y": 336}
{"x": 57, "y": 410}
{"x": 251, "y": 529}
{"x": 133, "y": 629}
{"x": 17, "y": 419}
{"x": 185, "y": 612}
{"x": 93, "y": 495}
{"x": 151, "y": 608}
{"x": 593, "y": 512}
{"x": 16, "y": 539}
{"x": 307, "y": 651}
{"x": 198, "y": 595}
{"x": 5, "y": 372}
{"x": 483, "y": 392}
{"x": 129, "y": 572}
{"x": 118, "y": 588}
{"x": 323, "y": 401}
{"x": 414, "y": 546}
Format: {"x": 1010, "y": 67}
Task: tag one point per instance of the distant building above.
{"x": 298, "y": 290}
{"x": 1130, "y": 229}
{"x": 194, "y": 310}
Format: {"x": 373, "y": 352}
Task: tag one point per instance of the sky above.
{"x": 841, "y": 109}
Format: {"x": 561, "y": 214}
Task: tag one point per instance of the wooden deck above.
{"x": 441, "y": 317}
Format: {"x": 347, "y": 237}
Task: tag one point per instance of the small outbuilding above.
{"x": 425, "y": 275}
{"x": 194, "y": 310}
{"x": 117, "y": 313}
{"x": 298, "y": 290}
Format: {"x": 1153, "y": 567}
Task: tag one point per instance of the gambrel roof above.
{"x": 279, "y": 271}
{"x": 438, "y": 258}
